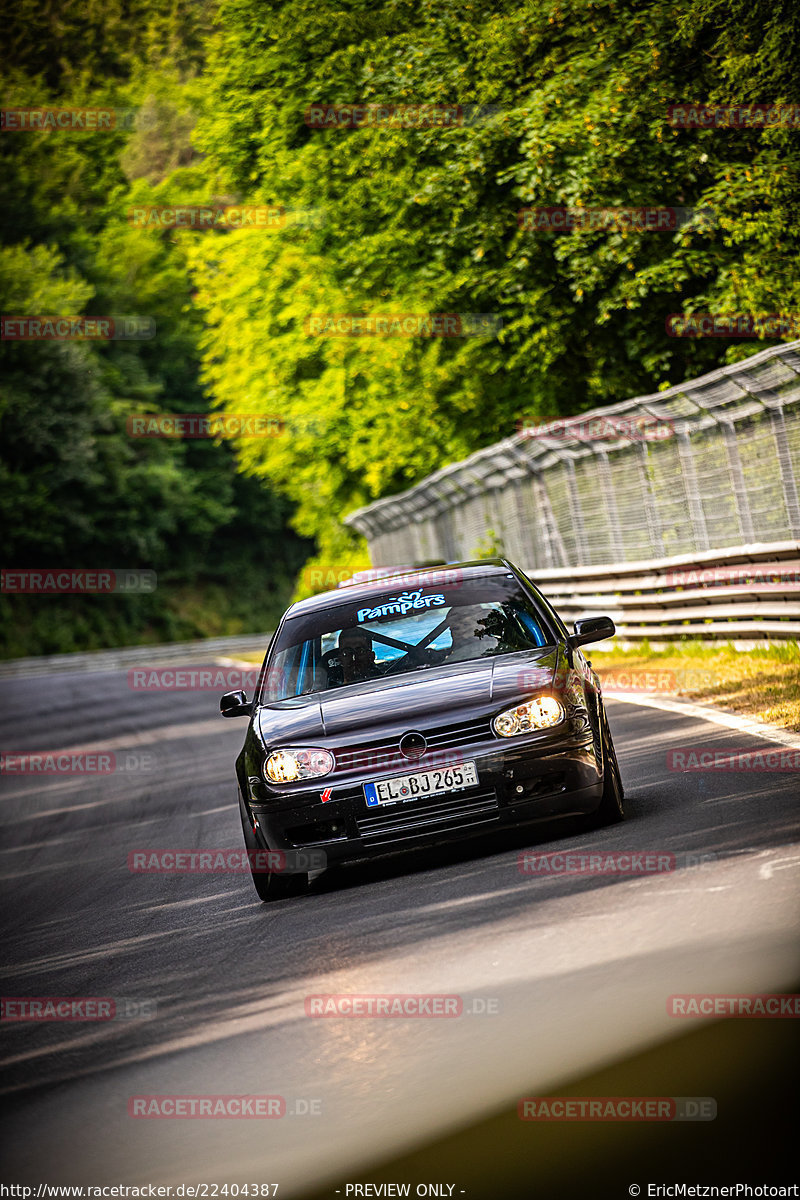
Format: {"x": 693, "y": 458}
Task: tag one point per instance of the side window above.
{"x": 560, "y": 627}
{"x": 531, "y": 628}
{"x": 281, "y": 679}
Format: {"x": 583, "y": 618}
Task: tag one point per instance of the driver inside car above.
{"x": 357, "y": 656}
{"x": 467, "y": 626}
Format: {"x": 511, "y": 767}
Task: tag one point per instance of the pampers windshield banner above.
{"x": 400, "y": 605}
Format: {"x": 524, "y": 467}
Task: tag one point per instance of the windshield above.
{"x": 394, "y": 632}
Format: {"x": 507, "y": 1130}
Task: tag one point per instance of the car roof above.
{"x": 405, "y": 577}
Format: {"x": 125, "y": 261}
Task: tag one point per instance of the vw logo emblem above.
{"x": 413, "y": 745}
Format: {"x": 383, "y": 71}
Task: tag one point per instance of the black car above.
{"x": 419, "y": 708}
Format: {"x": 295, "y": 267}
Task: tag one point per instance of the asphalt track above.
{"x": 568, "y": 974}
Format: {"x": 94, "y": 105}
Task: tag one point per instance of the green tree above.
{"x": 425, "y": 219}
{"x": 76, "y": 489}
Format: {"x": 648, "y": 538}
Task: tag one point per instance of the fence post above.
{"x": 778, "y": 422}
{"x": 662, "y": 511}
{"x": 610, "y": 501}
{"x": 692, "y": 491}
{"x": 739, "y": 486}
{"x": 577, "y": 511}
{"x": 554, "y": 543}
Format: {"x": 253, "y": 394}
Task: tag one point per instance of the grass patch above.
{"x": 758, "y": 683}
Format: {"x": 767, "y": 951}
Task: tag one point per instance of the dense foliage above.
{"x": 574, "y": 98}
{"x": 76, "y": 490}
{"x": 426, "y": 219}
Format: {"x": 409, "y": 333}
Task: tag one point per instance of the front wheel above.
{"x": 611, "y": 809}
{"x": 269, "y": 884}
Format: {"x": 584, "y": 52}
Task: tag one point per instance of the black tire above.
{"x": 268, "y": 884}
{"x": 278, "y": 887}
{"x": 611, "y": 809}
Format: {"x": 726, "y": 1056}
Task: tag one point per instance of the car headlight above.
{"x": 539, "y": 713}
{"x": 289, "y": 766}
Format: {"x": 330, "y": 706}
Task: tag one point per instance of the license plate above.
{"x": 422, "y": 783}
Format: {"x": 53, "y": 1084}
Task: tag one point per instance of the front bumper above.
{"x": 520, "y": 781}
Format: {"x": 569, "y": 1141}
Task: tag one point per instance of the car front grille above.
{"x": 453, "y": 811}
{"x": 384, "y": 754}
{"x": 445, "y": 736}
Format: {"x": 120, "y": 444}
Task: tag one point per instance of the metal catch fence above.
{"x": 707, "y": 464}
{"x": 705, "y": 471}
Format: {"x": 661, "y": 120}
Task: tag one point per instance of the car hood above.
{"x": 424, "y": 697}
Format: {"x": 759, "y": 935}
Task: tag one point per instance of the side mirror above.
{"x": 592, "y": 629}
{"x": 235, "y": 704}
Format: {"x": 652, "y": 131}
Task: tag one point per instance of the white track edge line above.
{"x": 762, "y": 729}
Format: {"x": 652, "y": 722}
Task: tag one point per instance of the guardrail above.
{"x": 205, "y": 651}
{"x": 743, "y": 593}
{"x": 740, "y": 594}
